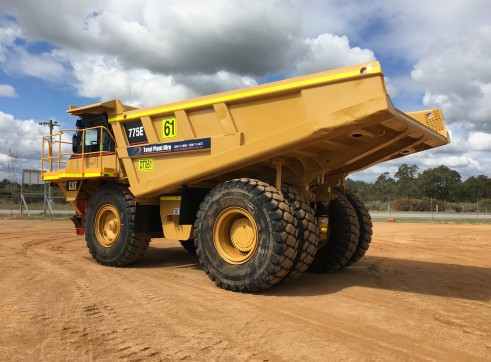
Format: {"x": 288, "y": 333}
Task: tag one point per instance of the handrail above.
{"x": 56, "y": 161}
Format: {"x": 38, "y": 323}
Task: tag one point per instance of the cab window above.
{"x": 93, "y": 140}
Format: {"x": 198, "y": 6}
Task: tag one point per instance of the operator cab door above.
{"x": 93, "y": 141}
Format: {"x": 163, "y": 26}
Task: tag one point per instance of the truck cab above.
{"x": 90, "y": 154}
{"x": 89, "y": 138}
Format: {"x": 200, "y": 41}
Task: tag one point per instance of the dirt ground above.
{"x": 423, "y": 292}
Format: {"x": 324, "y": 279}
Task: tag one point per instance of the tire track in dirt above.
{"x": 250, "y": 305}
{"x": 97, "y": 338}
{"x": 396, "y": 345}
{"x": 64, "y": 306}
{"x": 182, "y": 325}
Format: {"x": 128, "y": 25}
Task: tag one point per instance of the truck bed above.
{"x": 326, "y": 125}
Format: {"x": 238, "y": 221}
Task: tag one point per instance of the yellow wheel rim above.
{"x": 235, "y": 235}
{"x": 107, "y": 225}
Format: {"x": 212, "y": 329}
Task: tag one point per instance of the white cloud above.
{"x": 253, "y": 37}
{"x": 468, "y": 153}
{"x": 461, "y": 161}
{"x": 466, "y": 164}
{"x": 6, "y": 90}
{"x": 105, "y": 78}
{"x": 156, "y": 52}
{"x": 44, "y": 66}
{"x": 448, "y": 45}
{"x": 328, "y": 51}
{"x": 457, "y": 77}
{"x": 480, "y": 141}
{"x": 213, "y": 83}
{"x": 9, "y": 31}
{"x": 21, "y": 138}
{"x": 153, "y": 52}
{"x": 459, "y": 81}
{"x": 482, "y": 110}
{"x": 15, "y": 57}
{"x": 397, "y": 29}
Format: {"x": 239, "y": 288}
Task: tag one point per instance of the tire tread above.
{"x": 283, "y": 232}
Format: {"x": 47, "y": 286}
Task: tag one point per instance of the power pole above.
{"x": 51, "y": 125}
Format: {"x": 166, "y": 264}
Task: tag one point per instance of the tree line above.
{"x": 441, "y": 184}
{"x": 409, "y": 189}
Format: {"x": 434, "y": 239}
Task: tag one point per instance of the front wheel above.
{"x": 110, "y": 221}
{"x": 245, "y": 235}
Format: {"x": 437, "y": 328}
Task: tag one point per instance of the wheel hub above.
{"x": 242, "y": 235}
{"x": 235, "y": 235}
{"x": 107, "y": 225}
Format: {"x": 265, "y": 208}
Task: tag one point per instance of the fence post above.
{"x": 47, "y": 201}
{"x": 431, "y": 207}
{"x": 25, "y": 204}
{"x": 477, "y": 209}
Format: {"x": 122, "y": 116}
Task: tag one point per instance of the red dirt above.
{"x": 422, "y": 292}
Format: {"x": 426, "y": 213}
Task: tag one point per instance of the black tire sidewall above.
{"x": 365, "y": 221}
{"x": 189, "y": 246}
{"x": 115, "y": 254}
{"x": 307, "y": 230}
{"x": 343, "y": 239}
{"x": 256, "y": 266}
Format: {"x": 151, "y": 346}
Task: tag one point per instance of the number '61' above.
{"x": 170, "y": 127}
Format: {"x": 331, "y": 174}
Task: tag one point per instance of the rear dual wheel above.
{"x": 350, "y": 234}
{"x": 307, "y": 231}
{"x": 365, "y": 222}
{"x": 344, "y": 234}
{"x": 246, "y": 236}
{"x": 189, "y": 246}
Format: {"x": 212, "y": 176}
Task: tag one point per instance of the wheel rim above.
{"x": 107, "y": 225}
{"x": 235, "y": 235}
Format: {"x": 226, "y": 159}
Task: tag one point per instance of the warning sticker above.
{"x": 145, "y": 164}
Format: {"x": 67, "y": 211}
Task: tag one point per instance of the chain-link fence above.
{"x": 34, "y": 205}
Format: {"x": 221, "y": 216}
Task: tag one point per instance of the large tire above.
{"x": 365, "y": 221}
{"x": 110, "y": 223}
{"x": 307, "y": 231}
{"x": 245, "y": 235}
{"x": 344, "y": 233}
{"x": 189, "y": 246}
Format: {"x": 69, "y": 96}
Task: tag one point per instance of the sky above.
{"x": 53, "y": 53}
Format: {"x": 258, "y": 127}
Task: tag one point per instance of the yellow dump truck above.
{"x": 251, "y": 180}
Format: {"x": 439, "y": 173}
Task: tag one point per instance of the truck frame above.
{"x": 251, "y": 180}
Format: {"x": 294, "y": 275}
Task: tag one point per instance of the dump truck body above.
{"x": 309, "y": 132}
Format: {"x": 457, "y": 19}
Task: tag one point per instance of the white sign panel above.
{"x": 31, "y": 177}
